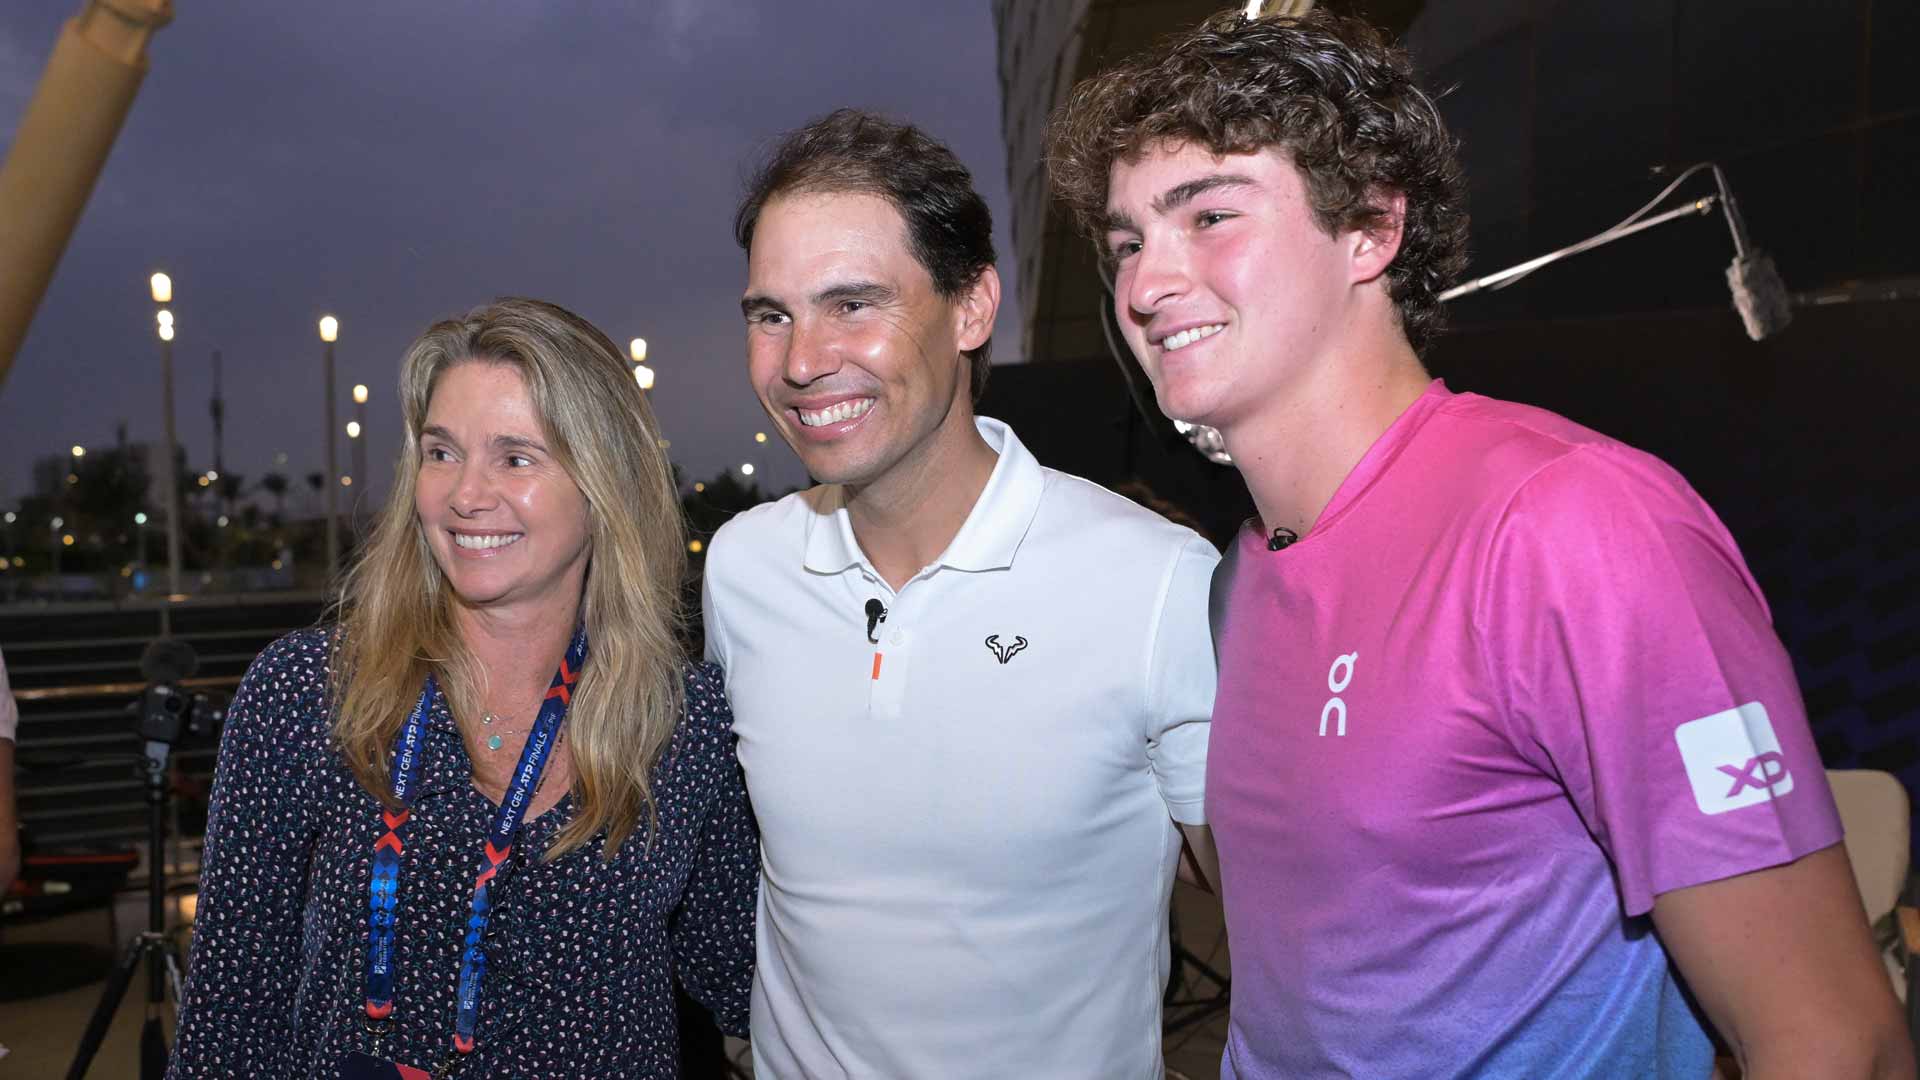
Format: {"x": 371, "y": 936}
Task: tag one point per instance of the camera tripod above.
{"x": 1195, "y": 1007}
{"x": 150, "y": 946}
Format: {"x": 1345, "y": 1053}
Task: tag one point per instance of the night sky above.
{"x": 393, "y": 164}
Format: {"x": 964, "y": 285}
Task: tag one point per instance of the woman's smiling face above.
{"x": 505, "y": 522}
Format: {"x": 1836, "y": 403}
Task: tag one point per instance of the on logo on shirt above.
{"x": 1338, "y": 676}
{"x": 1733, "y": 759}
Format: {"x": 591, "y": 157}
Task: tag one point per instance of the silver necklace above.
{"x": 493, "y": 739}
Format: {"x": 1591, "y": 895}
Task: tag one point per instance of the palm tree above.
{"x": 276, "y": 486}
{"x": 230, "y": 487}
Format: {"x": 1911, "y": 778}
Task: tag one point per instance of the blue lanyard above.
{"x": 384, "y": 887}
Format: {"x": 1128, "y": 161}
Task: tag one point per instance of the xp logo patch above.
{"x": 1733, "y": 759}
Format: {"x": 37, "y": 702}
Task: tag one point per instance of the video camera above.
{"x": 166, "y": 713}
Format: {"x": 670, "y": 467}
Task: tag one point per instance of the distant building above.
{"x": 50, "y": 474}
{"x": 51, "y": 471}
{"x": 1045, "y": 47}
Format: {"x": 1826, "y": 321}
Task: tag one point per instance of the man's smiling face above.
{"x": 853, "y": 353}
{"x": 1225, "y": 286}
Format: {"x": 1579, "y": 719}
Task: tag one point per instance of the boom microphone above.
{"x": 168, "y": 660}
{"x": 1758, "y": 294}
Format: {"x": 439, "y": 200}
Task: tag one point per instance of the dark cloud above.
{"x": 393, "y": 163}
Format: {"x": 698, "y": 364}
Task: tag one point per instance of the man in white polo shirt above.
{"x": 971, "y": 693}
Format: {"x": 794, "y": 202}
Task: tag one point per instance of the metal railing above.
{"x": 75, "y": 671}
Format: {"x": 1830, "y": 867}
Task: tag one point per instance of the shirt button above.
{"x": 899, "y": 637}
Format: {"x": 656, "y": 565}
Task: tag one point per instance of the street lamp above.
{"x": 357, "y": 431}
{"x": 140, "y": 525}
{"x": 642, "y": 374}
{"x": 169, "y": 479}
{"x": 329, "y": 330}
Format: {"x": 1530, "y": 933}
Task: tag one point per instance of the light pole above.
{"x": 169, "y": 481}
{"x": 357, "y": 431}
{"x": 6, "y": 561}
{"x": 53, "y": 550}
{"x": 140, "y": 525}
{"x": 329, "y": 330}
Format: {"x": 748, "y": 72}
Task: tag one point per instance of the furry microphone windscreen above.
{"x": 168, "y": 660}
{"x": 1759, "y": 295}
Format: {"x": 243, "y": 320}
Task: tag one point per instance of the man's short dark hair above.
{"x": 1327, "y": 90}
{"x": 949, "y": 228}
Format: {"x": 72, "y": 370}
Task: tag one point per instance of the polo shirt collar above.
{"x": 987, "y": 540}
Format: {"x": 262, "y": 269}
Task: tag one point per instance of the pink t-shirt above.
{"x": 1515, "y": 683}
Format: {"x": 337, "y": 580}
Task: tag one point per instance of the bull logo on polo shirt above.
{"x": 1004, "y": 653}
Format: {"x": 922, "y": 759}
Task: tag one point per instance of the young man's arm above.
{"x": 1782, "y": 961}
{"x": 1677, "y": 685}
{"x": 1199, "y": 861}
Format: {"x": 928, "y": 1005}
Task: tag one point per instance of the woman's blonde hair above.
{"x": 396, "y": 610}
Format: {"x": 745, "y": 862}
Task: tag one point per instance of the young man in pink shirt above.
{"x": 1509, "y": 773}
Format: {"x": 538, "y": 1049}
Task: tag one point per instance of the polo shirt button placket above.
{"x": 887, "y": 693}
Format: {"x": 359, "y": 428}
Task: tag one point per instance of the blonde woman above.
{"x": 482, "y": 824}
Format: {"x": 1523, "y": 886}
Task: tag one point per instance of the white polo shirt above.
{"x": 967, "y": 838}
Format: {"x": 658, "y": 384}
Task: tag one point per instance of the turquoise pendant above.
{"x": 493, "y": 742}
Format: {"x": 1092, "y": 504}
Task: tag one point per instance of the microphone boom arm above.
{"x": 1703, "y": 205}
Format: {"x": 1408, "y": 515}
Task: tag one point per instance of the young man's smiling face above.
{"x": 1226, "y": 288}
{"x": 852, "y": 351}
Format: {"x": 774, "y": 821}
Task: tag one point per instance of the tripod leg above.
{"x": 153, "y": 1037}
{"x": 153, "y": 1048}
{"x": 174, "y": 979}
{"x": 102, "y": 1018}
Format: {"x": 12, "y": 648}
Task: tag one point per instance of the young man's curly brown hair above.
{"x": 1329, "y": 91}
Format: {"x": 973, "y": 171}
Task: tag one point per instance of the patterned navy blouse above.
{"x": 581, "y": 953}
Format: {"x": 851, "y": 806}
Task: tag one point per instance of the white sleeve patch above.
{"x": 1733, "y": 759}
